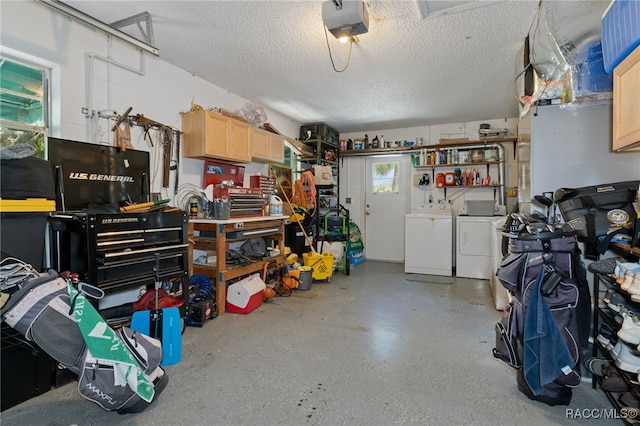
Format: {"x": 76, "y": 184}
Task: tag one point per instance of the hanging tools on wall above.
{"x": 122, "y": 140}
{"x": 166, "y": 142}
{"x": 122, "y": 132}
{"x": 140, "y": 120}
{"x": 176, "y": 165}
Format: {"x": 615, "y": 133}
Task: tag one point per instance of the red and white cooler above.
{"x": 245, "y": 295}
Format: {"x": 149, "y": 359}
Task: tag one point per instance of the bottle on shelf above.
{"x": 193, "y": 207}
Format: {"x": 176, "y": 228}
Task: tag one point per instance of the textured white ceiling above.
{"x": 406, "y": 71}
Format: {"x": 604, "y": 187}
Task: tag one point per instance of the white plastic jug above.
{"x": 275, "y": 206}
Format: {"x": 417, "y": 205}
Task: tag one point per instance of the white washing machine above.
{"x": 473, "y": 246}
{"x": 428, "y": 242}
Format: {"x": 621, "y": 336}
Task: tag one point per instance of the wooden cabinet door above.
{"x": 216, "y": 136}
{"x": 207, "y": 134}
{"x": 260, "y": 144}
{"x": 626, "y": 103}
{"x": 267, "y": 146}
{"x": 239, "y": 141}
{"x": 276, "y": 148}
{"x": 193, "y": 134}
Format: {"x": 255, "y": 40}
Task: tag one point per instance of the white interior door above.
{"x": 386, "y": 202}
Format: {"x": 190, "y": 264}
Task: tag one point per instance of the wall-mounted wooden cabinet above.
{"x": 210, "y": 135}
{"x": 266, "y": 146}
{"x": 626, "y": 103}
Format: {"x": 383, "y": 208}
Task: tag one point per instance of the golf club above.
{"x": 544, "y": 201}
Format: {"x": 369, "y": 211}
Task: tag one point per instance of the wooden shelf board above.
{"x": 428, "y": 147}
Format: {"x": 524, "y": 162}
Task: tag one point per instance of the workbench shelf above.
{"x": 216, "y": 235}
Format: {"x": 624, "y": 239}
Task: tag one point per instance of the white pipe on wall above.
{"x": 90, "y": 58}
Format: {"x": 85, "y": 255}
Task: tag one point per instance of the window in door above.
{"x": 385, "y": 176}
{"x": 24, "y": 104}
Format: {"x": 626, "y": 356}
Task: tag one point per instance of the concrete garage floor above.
{"x": 369, "y": 349}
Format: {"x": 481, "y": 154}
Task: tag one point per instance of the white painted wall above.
{"x": 571, "y": 148}
{"x": 161, "y": 93}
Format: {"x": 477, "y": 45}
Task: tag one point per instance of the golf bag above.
{"x": 44, "y": 308}
{"x": 547, "y": 322}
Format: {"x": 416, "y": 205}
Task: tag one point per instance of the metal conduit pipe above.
{"x": 90, "y": 57}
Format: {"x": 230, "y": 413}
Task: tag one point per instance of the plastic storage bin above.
{"x": 620, "y": 32}
{"x": 591, "y": 76}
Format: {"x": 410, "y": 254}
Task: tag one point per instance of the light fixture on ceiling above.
{"x": 345, "y": 18}
{"x": 352, "y": 39}
{"x": 343, "y": 40}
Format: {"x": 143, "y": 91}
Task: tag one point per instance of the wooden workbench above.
{"x": 215, "y": 236}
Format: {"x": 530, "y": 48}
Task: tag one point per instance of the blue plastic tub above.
{"x": 592, "y": 77}
{"x": 620, "y": 32}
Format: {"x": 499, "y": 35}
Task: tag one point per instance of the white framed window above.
{"x": 385, "y": 177}
{"x": 26, "y": 100}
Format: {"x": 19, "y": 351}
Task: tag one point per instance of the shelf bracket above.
{"x": 137, "y": 19}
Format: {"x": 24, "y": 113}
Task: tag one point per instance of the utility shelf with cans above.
{"x": 467, "y": 166}
{"x": 478, "y": 163}
{"x": 442, "y": 145}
